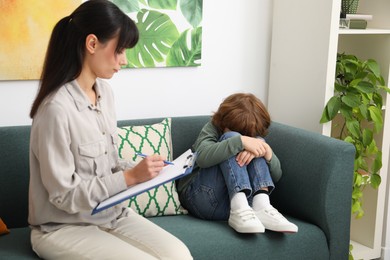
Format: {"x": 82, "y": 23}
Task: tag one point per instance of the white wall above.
{"x": 235, "y": 57}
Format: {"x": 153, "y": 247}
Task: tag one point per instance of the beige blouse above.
{"x": 74, "y": 161}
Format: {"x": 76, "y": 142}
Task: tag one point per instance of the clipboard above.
{"x": 181, "y": 166}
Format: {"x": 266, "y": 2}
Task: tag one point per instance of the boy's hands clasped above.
{"x": 253, "y": 147}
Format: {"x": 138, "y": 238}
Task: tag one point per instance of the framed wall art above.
{"x": 170, "y": 32}
{"x": 25, "y": 28}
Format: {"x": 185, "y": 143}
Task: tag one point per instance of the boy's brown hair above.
{"x": 243, "y": 113}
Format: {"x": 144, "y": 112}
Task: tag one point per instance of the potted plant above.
{"x": 357, "y": 102}
{"x": 349, "y": 6}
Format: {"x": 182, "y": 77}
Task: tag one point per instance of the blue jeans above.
{"x": 210, "y": 191}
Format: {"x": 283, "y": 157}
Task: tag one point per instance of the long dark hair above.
{"x": 66, "y": 50}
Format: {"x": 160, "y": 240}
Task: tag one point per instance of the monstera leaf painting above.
{"x": 170, "y": 32}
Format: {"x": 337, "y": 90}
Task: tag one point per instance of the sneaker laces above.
{"x": 274, "y": 213}
{"x": 246, "y": 214}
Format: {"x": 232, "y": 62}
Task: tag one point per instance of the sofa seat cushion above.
{"x": 16, "y": 245}
{"x": 216, "y": 240}
{"x": 209, "y": 240}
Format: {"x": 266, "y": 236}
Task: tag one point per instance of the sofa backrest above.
{"x": 14, "y": 174}
{"x": 184, "y": 130}
{"x": 14, "y": 161}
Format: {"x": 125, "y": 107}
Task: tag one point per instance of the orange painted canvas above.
{"x": 25, "y": 28}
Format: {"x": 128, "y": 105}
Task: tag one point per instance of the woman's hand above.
{"x": 146, "y": 169}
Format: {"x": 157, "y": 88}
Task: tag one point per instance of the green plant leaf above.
{"x": 375, "y": 180}
{"x": 353, "y": 127}
{"x": 376, "y": 116}
{"x": 127, "y": 6}
{"x": 349, "y": 139}
{"x": 333, "y": 106}
{"x": 367, "y": 136}
{"x": 351, "y": 68}
{"x": 350, "y": 256}
{"x": 378, "y": 100}
{"x": 374, "y": 67}
{"x": 360, "y": 213}
{"x": 377, "y": 165}
{"x": 358, "y": 181}
{"x": 324, "y": 117}
{"x": 346, "y": 111}
{"x": 359, "y": 85}
{"x": 364, "y": 111}
{"x": 361, "y": 164}
{"x": 158, "y": 33}
{"x": 385, "y": 88}
{"x": 357, "y": 193}
{"x": 186, "y": 51}
{"x": 372, "y": 78}
{"x": 339, "y": 87}
{"x": 356, "y": 207}
{"x": 355, "y": 80}
{"x": 372, "y": 148}
{"x": 192, "y": 11}
{"x": 351, "y": 100}
{"x": 163, "y": 4}
{"x": 365, "y": 87}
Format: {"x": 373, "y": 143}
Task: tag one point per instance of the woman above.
{"x": 236, "y": 169}
{"x": 74, "y": 161}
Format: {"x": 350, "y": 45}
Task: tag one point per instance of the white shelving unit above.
{"x": 305, "y": 41}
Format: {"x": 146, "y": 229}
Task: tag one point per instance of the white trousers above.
{"x": 135, "y": 237}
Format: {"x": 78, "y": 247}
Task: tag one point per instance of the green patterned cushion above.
{"x": 151, "y": 139}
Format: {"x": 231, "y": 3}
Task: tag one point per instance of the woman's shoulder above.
{"x": 59, "y": 102}
{"x": 56, "y": 99}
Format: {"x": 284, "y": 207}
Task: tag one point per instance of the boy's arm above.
{"x": 275, "y": 168}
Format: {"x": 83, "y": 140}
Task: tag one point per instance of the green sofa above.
{"x": 314, "y": 192}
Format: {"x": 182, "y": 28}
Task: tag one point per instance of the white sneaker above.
{"x": 245, "y": 221}
{"x": 273, "y": 220}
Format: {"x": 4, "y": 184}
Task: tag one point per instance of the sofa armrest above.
{"x": 316, "y": 185}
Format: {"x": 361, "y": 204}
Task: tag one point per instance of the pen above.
{"x": 144, "y": 155}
